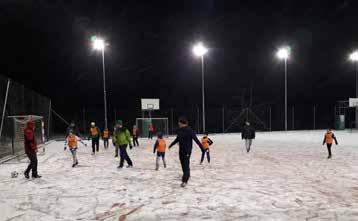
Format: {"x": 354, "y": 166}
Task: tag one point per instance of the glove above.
{"x": 65, "y": 148}
{"x": 130, "y": 146}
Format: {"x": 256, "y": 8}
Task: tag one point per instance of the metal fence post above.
{"x": 270, "y": 118}
{"x": 293, "y": 118}
{"x": 172, "y": 120}
{"x": 223, "y": 115}
{"x": 314, "y": 117}
{"x": 48, "y": 121}
{"x": 4, "y": 108}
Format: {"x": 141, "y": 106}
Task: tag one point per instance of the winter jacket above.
{"x": 122, "y": 136}
{"x": 329, "y": 137}
{"x": 160, "y": 146}
{"x": 29, "y": 138}
{"x": 248, "y": 132}
{"x": 206, "y": 142}
{"x": 185, "y": 137}
{"x": 105, "y": 134}
{"x": 95, "y": 132}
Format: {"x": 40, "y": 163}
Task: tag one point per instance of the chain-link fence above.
{"x": 222, "y": 119}
{"x": 17, "y": 100}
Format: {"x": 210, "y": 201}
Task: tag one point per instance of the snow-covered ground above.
{"x": 285, "y": 177}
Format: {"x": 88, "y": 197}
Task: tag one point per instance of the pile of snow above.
{"x": 285, "y": 177}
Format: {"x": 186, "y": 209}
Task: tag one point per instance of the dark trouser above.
{"x": 203, "y": 155}
{"x": 33, "y": 164}
{"x": 185, "y": 165}
{"x": 248, "y": 143}
{"x": 105, "y": 143}
{"x": 135, "y": 140}
{"x": 329, "y": 150}
{"x": 95, "y": 144}
{"x": 160, "y": 155}
{"x": 124, "y": 155}
{"x": 150, "y": 135}
{"x": 74, "y": 155}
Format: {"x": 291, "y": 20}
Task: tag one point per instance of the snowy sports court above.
{"x": 285, "y": 177}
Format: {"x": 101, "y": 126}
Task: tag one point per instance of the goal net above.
{"x": 159, "y": 125}
{"x": 19, "y": 124}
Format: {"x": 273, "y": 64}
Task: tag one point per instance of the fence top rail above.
{"x": 26, "y": 116}
{"x": 153, "y": 118}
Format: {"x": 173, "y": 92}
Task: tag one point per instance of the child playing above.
{"x": 105, "y": 138}
{"x": 71, "y": 142}
{"x": 328, "y": 139}
{"x": 160, "y": 147}
{"x": 150, "y": 131}
{"x": 206, "y": 142}
{"x": 135, "y": 134}
{"x": 95, "y": 135}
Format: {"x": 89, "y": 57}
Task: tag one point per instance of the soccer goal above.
{"x": 19, "y": 124}
{"x": 159, "y": 124}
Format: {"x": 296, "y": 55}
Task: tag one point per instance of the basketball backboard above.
{"x": 149, "y": 104}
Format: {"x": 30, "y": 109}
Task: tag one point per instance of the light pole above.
{"x": 200, "y": 50}
{"x": 284, "y": 54}
{"x": 354, "y": 58}
{"x": 99, "y": 45}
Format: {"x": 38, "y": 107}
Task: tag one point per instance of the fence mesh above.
{"x": 21, "y": 101}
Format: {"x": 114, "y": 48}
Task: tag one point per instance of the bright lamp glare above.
{"x": 98, "y": 44}
{"x": 283, "y": 53}
{"x": 354, "y": 56}
{"x": 200, "y": 50}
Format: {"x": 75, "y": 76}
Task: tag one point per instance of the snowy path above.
{"x": 286, "y": 177}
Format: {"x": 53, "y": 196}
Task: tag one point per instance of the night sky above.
{"x": 46, "y": 46}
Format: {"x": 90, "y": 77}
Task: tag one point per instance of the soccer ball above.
{"x": 14, "y": 174}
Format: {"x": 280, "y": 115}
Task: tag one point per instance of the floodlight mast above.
{"x": 354, "y": 58}
{"x": 200, "y": 50}
{"x": 99, "y": 45}
{"x": 284, "y": 54}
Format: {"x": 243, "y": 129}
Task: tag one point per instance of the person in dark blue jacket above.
{"x": 185, "y": 137}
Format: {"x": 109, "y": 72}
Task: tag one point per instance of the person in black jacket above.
{"x": 248, "y": 134}
{"x": 185, "y": 137}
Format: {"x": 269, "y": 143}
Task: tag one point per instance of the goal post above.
{"x": 19, "y": 124}
{"x": 159, "y": 125}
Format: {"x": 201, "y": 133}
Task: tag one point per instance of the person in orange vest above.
{"x": 105, "y": 138}
{"x": 160, "y": 146}
{"x": 135, "y": 134}
{"x": 206, "y": 142}
{"x": 151, "y": 131}
{"x": 71, "y": 142}
{"x": 95, "y": 134}
{"x": 328, "y": 140}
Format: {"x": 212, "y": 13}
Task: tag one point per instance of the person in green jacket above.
{"x": 122, "y": 139}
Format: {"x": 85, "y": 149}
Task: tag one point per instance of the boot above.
{"x": 27, "y": 175}
{"x": 36, "y": 176}
{"x": 183, "y": 184}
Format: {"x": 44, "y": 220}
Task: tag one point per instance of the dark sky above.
{"x": 46, "y": 46}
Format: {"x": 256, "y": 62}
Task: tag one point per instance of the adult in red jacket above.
{"x": 31, "y": 149}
